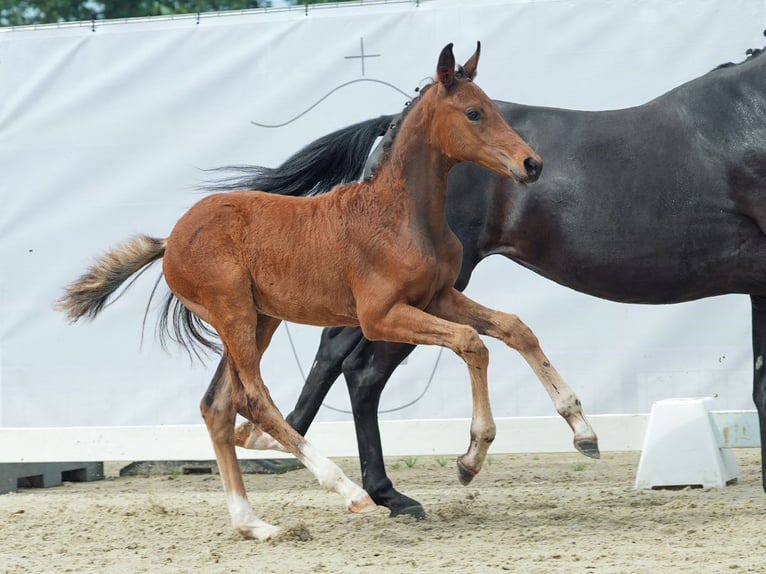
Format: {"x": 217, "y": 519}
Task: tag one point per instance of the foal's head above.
{"x": 467, "y": 126}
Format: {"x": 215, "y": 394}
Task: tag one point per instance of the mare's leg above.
{"x": 455, "y": 306}
{"x": 334, "y": 346}
{"x": 336, "y": 343}
{"x": 366, "y": 367}
{"x": 406, "y": 324}
{"x": 219, "y": 415}
{"x": 367, "y": 370}
{"x": 759, "y": 372}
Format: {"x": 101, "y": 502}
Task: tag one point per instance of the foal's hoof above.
{"x": 261, "y": 532}
{"x": 464, "y": 474}
{"x": 362, "y": 504}
{"x": 588, "y": 447}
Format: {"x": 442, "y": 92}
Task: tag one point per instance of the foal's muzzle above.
{"x": 533, "y": 168}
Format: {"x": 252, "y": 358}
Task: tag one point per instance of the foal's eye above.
{"x": 473, "y": 115}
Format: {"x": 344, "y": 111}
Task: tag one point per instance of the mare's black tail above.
{"x": 333, "y": 159}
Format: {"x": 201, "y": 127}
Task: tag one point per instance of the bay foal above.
{"x": 377, "y": 254}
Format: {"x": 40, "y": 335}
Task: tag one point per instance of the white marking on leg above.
{"x": 759, "y": 362}
{"x": 331, "y": 477}
{"x": 245, "y": 521}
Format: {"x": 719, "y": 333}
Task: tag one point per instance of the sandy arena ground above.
{"x": 523, "y": 513}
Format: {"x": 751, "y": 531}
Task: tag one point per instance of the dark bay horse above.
{"x": 660, "y": 203}
{"x": 377, "y": 254}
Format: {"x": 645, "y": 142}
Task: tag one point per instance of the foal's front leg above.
{"x": 403, "y": 323}
{"x": 508, "y": 328}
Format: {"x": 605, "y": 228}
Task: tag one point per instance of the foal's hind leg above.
{"x": 455, "y": 306}
{"x": 234, "y": 324}
{"x": 335, "y": 345}
{"x": 219, "y": 415}
{"x": 366, "y": 367}
{"x": 248, "y": 434}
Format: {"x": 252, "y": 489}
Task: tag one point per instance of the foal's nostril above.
{"x": 533, "y": 167}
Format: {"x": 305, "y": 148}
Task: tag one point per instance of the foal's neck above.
{"x": 415, "y": 174}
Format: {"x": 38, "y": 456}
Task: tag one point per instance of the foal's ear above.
{"x": 469, "y": 69}
{"x": 445, "y": 69}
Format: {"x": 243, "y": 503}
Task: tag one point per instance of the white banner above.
{"x": 104, "y": 132}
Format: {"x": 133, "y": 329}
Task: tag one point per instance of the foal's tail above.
{"x": 87, "y": 296}
{"x": 333, "y": 159}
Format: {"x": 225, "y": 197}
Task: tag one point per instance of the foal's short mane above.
{"x": 393, "y": 130}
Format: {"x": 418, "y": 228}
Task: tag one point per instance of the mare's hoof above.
{"x": 464, "y": 475}
{"x": 588, "y": 447}
{"x": 398, "y": 504}
{"x": 363, "y": 504}
{"x": 416, "y": 511}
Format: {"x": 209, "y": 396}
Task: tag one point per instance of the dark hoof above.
{"x": 416, "y": 511}
{"x": 589, "y": 448}
{"x": 399, "y": 504}
{"x": 464, "y": 475}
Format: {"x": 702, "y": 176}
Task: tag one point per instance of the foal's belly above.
{"x": 300, "y": 303}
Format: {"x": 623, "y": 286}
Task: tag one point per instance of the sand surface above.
{"x": 523, "y": 513}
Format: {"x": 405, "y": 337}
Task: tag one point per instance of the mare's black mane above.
{"x": 337, "y": 154}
